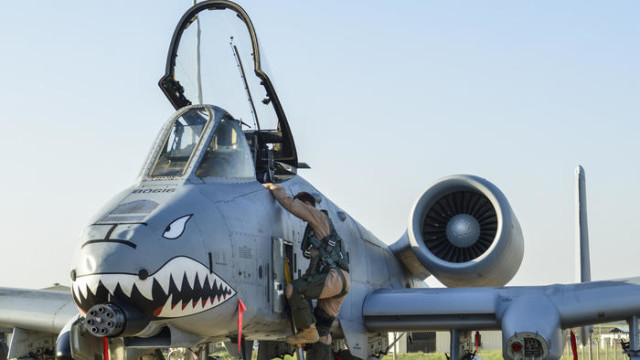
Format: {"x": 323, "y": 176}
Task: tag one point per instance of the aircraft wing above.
{"x": 541, "y": 312}
{"x": 44, "y": 311}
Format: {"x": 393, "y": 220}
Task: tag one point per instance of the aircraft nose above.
{"x": 160, "y": 267}
{"x": 109, "y": 248}
{"x": 180, "y": 288}
{"x": 114, "y": 233}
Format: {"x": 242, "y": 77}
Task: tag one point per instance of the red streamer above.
{"x": 241, "y": 309}
{"x": 105, "y": 348}
{"x": 574, "y": 346}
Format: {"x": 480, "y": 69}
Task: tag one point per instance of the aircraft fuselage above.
{"x": 183, "y": 252}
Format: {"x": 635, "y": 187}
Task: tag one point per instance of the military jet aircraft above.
{"x": 196, "y": 251}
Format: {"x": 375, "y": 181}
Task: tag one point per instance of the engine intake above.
{"x": 462, "y": 230}
{"x": 460, "y": 226}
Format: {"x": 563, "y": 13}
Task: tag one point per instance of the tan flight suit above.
{"x": 331, "y": 285}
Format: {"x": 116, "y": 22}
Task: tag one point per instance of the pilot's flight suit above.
{"x": 327, "y": 281}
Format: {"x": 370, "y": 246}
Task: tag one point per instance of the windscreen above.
{"x": 180, "y": 143}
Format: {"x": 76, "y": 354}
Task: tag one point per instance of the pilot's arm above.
{"x": 316, "y": 218}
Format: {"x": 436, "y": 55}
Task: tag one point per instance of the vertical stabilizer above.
{"x": 583, "y": 263}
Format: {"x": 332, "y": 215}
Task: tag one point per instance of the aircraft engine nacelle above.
{"x": 462, "y": 231}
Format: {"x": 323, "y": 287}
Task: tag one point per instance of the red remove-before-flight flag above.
{"x": 241, "y": 309}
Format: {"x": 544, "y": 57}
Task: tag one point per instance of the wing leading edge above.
{"x": 543, "y": 311}
{"x": 476, "y": 308}
{"x": 38, "y": 310}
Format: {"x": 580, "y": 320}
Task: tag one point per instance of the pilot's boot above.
{"x": 306, "y": 336}
{"x": 319, "y": 351}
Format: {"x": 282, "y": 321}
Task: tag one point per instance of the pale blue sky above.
{"x": 383, "y": 99}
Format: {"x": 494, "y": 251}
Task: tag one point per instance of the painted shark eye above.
{"x": 176, "y": 228}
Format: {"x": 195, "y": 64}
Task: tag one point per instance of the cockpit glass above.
{"x": 216, "y": 64}
{"x": 228, "y": 154}
{"x": 180, "y": 143}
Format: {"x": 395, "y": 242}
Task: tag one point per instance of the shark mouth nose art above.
{"x": 181, "y": 287}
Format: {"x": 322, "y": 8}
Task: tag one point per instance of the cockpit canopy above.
{"x": 206, "y": 138}
{"x": 227, "y": 155}
{"x": 214, "y": 58}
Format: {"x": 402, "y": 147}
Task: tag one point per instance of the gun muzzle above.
{"x": 111, "y": 320}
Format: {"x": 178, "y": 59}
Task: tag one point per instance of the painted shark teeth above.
{"x": 181, "y": 287}
{"x": 191, "y": 307}
{"x": 145, "y": 287}
{"x": 92, "y": 284}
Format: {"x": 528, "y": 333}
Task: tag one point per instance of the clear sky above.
{"x": 383, "y": 99}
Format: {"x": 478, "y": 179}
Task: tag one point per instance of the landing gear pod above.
{"x": 63, "y": 342}
{"x": 540, "y": 338}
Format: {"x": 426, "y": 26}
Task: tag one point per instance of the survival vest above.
{"x": 332, "y": 253}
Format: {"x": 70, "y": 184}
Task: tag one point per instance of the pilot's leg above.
{"x": 329, "y": 299}
{"x": 326, "y": 312}
{"x": 333, "y": 284}
{"x": 299, "y": 293}
{"x": 320, "y": 351}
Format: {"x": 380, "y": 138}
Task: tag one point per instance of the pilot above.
{"x": 326, "y": 278}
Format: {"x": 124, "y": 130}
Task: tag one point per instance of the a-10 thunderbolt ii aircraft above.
{"x": 196, "y": 251}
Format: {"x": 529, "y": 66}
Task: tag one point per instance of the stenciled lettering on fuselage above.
{"x": 153, "y": 191}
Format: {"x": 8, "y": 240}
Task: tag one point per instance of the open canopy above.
{"x": 214, "y": 58}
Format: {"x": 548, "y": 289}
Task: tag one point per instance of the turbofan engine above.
{"x": 462, "y": 231}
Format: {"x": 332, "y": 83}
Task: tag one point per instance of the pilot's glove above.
{"x": 271, "y": 186}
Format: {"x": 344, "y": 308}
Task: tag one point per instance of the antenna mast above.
{"x": 234, "y": 48}
{"x": 198, "y": 75}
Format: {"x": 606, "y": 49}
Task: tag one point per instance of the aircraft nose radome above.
{"x": 112, "y": 233}
{"x": 181, "y": 287}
